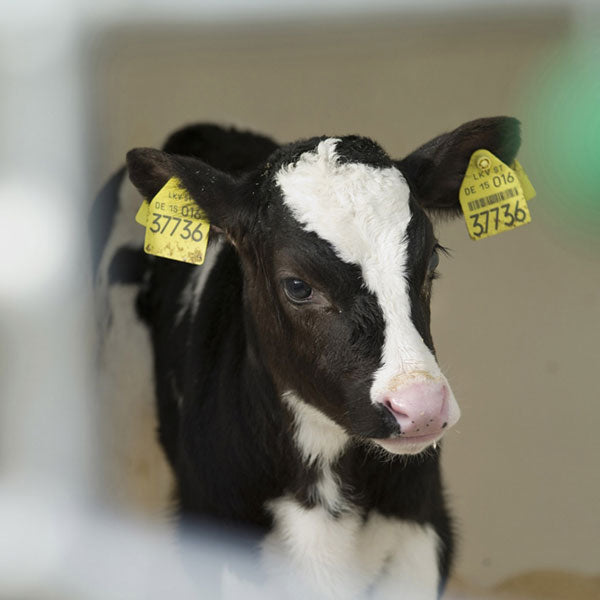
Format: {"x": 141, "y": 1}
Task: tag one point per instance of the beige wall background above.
{"x": 515, "y": 317}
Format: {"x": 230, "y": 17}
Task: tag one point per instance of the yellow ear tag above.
{"x": 176, "y": 227}
{"x": 528, "y": 189}
{"x": 492, "y": 196}
{"x": 141, "y": 216}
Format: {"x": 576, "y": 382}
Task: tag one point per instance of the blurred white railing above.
{"x": 53, "y": 542}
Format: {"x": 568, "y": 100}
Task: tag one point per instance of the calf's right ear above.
{"x": 215, "y": 192}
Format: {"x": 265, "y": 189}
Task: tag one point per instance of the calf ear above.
{"x": 215, "y": 192}
{"x": 435, "y": 170}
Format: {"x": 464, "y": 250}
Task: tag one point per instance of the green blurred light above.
{"x": 563, "y": 121}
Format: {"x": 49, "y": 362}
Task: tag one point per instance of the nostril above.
{"x": 394, "y": 409}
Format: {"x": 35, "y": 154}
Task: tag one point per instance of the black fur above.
{"x": 127, "y": 266}
{"x": 229, "y": 150}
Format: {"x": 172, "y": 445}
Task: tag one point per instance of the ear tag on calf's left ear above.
{"x": 528, "y": 189}
{"x": 494, "y": 196}
{"x": 176, "y": 227}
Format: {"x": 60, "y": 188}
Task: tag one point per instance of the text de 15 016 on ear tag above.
{"x": 493, "y": 196}
{"x": 176, "y": 227}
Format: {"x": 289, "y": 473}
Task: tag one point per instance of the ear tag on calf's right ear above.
{"x": 176, "y": 227}
{"x": 141, "y": 216}
{"x": 493, "y": 196}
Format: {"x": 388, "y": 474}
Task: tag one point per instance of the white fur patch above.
{"x": 404, "y": 554}
{"x": 327, "y": 491}
{"x": 192, "y": 292}
{"x": 364, "y": 212}
{"x": 319, "y": 439}
{"x": 315, "y": 554}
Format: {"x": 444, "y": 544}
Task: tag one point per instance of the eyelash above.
{"x": 433, "y": 275}
{"x": 445, "y": 251}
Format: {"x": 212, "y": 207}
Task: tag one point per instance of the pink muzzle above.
{"x": 420, "y": 408}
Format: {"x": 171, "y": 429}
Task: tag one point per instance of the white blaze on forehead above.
{"x": 363, "y": 212}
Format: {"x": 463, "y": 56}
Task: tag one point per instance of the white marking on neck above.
{"x": 364, "y": 212}
{"x": 319, "y": 439}
{"x": 327, "y": 491}
{"x": 192, "y": 292}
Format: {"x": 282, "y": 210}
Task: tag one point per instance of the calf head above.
{"x": 338, "y": 254}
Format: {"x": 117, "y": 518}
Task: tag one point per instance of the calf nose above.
{"x": 419, "y": 408}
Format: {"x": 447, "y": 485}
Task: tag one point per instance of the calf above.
{"x": 294, "y": 373}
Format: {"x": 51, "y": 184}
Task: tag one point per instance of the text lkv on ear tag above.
{"x": 493, "y": 196}
{"x": 176, "y": 227}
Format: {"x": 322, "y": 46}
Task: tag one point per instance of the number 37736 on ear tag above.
{"x": 494, "y": 196}
{"x": 176, "y": 227}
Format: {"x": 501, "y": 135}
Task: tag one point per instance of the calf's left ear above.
{"x": 435, "y": 170}
{"x": 215, "y": 192}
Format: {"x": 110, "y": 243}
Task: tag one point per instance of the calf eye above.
{"x": 297, "y": 290}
